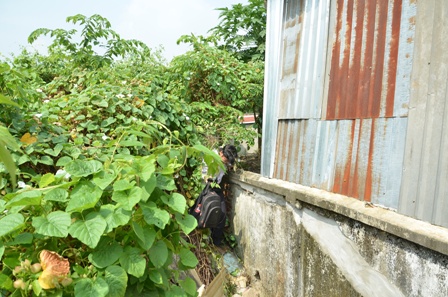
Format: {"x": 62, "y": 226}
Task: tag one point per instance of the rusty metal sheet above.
{"x": 359, "y": 158}
{"x": 364, "y": 58}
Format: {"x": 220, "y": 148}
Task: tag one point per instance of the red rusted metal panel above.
{"x": 364, "y": 59}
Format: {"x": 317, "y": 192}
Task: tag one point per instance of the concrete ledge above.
{"x": 425, "y": 234}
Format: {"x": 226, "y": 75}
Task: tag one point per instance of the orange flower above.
{"x": 55, "y": 269}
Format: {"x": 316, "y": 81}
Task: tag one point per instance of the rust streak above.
{"x": 355, "y": 69}
{"x": 333, "y": 93}
{"x": 348, "y": 165}
{"x": 363, "y": 91}
{"x": 344, "y": 71}
{"x": 393, "y": 58}
{"x": 375, "y": 90}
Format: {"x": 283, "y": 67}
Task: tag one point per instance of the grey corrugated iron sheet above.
{"x": 305, "y": 30}
{"x": 424, "y": 191}
{"x": 271, "y": 84}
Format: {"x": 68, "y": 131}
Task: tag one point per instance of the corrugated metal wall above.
{"x": 424, "y": 191}
{"x": 305, "y": 30}
{"x": 350, "y": 119}
{"x": 359, "y": 158}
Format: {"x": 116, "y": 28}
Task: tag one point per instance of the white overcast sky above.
{"x": 155, "y": 22}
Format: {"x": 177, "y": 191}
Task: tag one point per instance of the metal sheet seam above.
{"x": 272, "y": 75}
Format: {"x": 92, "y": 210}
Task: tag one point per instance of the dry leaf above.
{"x": 28, "y": 139}
{"x": 138, "y": 102}
{"x": 55, "y": 269}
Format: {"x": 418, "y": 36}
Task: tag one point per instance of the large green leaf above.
{"x": 154, "y": 215}
{"x": 147, "y": 170}
{"x": 6, "y": 100}
{"x": 11, "y": 223}
{"x": 22, "y": 238}
{"x": 46, "y": 179}
{"x": 133, "y": 261}
{"x": 117, "y": 279}
{"x": 56, "y": 194}
{"x": 156, "y": 276}
{"x": 104, "y": 178}
{"x": 7, "y": 159}
{"x": 26, "y": 198}
{"x": 89, "y": 231}
{"x": 91, "y": 287}
{"x": 187, "y": 258}
{"x": 132, "y": 143}
{"x": 2, "y": 249}
{"x": 186, "y": 222}
{"x": 158, "y": 254}
{"x": 54, "y": 152}
{"x": 84, "y": 196}
{"x": 82, "y": 168}
{"x": 145, "y": 235}
{"x": 106, "y": 253}
{"x": 174, "y": 292}
{"x": 123, "y": 185}
{"x": 5, "y": 282}
{"x": 149, "y": 185}
{"x": 175, "y": 201}
{"x": 54, "y": 224}
{"x": 7, "y": 139}
{"x": 189, "y": 286}
{"x": 128, "y": 199}
{"x": 114, "y": 216}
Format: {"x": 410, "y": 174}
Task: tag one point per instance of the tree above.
{"x": 96, "y": 34}
{"x": 243, "y": 30}
{"x": 219, "y": 87}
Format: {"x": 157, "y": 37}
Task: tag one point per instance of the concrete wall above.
{"x": 300, "y": 241}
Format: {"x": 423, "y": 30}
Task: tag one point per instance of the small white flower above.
{"x": 75, "y": 85}
{"x": 129, "y": 95}
{"x": 63, "y": 173}
{"x": 105, "y": 137}
{"x": 46, "y": 101}
{"x": 134, "y": 119}
{"x": 39, "y": 90}
{"x": 38, "y": 115}
{"x": 123, "y": 82}
{"x": 60, "y": 172}
{"x": 120, "y": 96}
{"x": 21, "y": 185}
